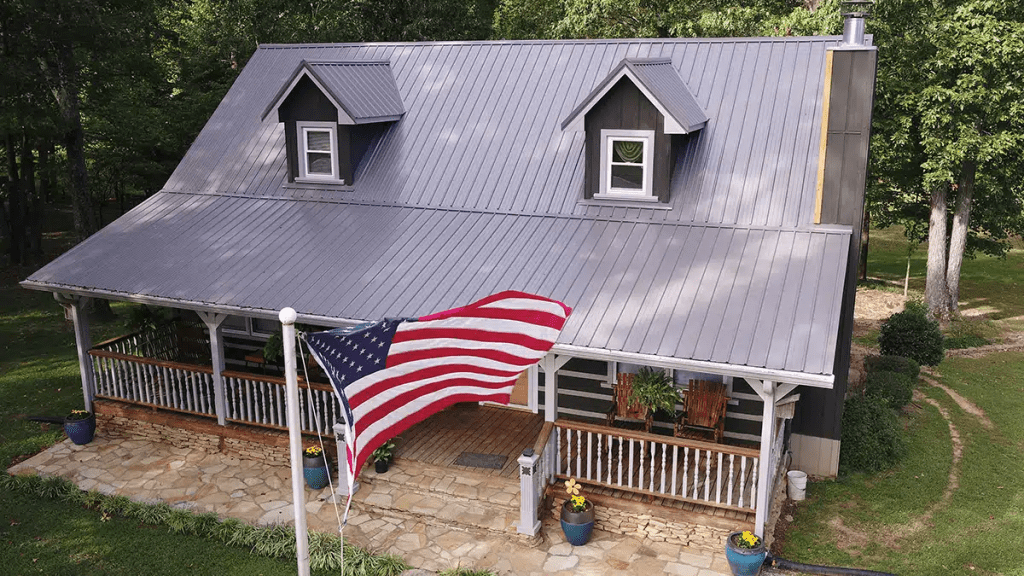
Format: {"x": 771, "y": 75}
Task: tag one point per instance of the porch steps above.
{"x": 440, "y": 496}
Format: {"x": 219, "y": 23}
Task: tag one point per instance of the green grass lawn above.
{"x": 39, "y": 375}
{"x": 987, "y": 284}
{"x": 891, "y": 520}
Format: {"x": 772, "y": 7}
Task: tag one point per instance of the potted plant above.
{"x": 314, "y": 468}
{"x": 383, "y": 456}
{"x": 654, "y": 390}
{"x": 80, "y": 426}
{"x": 577, "y": 515}
{"x": 745, "y": 552}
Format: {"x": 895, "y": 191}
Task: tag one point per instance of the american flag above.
{"x": 392, "y": 374}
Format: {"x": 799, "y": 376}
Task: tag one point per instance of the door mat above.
{"x": 475, "y": 460}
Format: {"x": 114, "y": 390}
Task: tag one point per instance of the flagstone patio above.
{"x": 417, "y": 511}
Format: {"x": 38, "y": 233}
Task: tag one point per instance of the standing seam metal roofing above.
{"x": 477, "y": 189}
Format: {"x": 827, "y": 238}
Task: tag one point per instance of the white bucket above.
{"x": 797, "y": 484}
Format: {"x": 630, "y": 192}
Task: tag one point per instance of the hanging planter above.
{"x": 745, "y": 552}
{"x": 577, "y": 515}
{"x": 314, "y": 468}
{"x": 80, "y": 426}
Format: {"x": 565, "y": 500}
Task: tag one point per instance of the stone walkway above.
{"x": 419, "y": 512}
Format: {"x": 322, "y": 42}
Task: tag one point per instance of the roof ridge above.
{"x": 599, "y": 41}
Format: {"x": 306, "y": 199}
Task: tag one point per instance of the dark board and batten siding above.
{"x": 306, "y": 103}
{"x": 585, "y": 393}
{"x": 624, "y": 107}
{"x": 847, "y": 138}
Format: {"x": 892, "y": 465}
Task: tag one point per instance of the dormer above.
{"x": 631, "y": 121}
{"x": 331, "y": 112}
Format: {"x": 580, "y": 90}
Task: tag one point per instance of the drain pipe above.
{"x": 784, "y": 564}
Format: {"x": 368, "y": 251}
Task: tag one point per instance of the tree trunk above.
{"x": 936, "y": 294}
{"x": 15, "y": 204}
{"x": 32, "y": 208}
{"x": 74, "y": 142}
{"x": 865, "y": 237}
{"x": 45, "y": 179}
{"x": 958, "y": 235}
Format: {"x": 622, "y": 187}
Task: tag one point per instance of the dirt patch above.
{"x": 964, "y": 404}
{"x": 877, "y": 305}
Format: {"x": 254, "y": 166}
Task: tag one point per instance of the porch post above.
{"x": 528, "y": 521}
{"x": 83, "y": 341}
{"x": 551, "y": 364}
{"x": 550, "y": 389}
{"x": 764, "y": 481}
{"x": 213, "y": 322}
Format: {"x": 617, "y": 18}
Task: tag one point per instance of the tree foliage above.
{"x": 948, "y": 130}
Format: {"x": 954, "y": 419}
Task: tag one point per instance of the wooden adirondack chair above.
{"x": 703, "y": 417}
{"x": 622, "y": 409}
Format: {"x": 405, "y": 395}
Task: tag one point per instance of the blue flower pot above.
{"x": 315, "y": 471}
{"x": 744, "y": 561}
{"x": 577, "y": 526}
{"x": 81, "y": 431}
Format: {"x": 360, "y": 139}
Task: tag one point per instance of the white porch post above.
{"x": 213, "y": 322}
{"x": 551, "y": 364}
{"x": 764, "y": 484}
{"x": 528, "y": 493}
{"x": 770, "y": 394}
{"x": 83, "y": 341}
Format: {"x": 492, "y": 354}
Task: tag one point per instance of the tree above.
{"x": 949, "y": 130}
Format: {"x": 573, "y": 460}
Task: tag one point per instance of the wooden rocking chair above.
{"x": 622, "y": 409}
{"x": 703, "y": 416}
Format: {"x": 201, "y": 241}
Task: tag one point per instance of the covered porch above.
{"x": 726, "y": 485}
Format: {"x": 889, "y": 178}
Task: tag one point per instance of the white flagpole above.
{"x": 288, "y": 317}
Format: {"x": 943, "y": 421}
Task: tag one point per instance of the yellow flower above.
{"x": 578, "y": 501}
{"x": 572, "y": 487}
{"x": 750, "y": 539}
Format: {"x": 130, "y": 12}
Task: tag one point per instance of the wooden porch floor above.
{"x": 469, "y": 427}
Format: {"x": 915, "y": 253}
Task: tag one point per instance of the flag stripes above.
{"x": 473, "y": 353}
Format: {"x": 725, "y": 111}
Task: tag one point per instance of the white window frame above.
{"x": 606, "y": 190}
{"x": 302, "y": 128}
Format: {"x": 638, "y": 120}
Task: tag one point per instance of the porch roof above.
{"x": 765, "y": 298}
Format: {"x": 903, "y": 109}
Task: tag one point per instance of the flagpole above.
{"x": 288, "y": 317}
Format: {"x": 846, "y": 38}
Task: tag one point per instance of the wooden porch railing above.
{"x": 662, "y": 466}
{"x": 122, "y": 373}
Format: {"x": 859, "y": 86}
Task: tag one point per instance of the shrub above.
{"x": 872, "y": 440}
{"x": 904, "y": 366}
{"x": 912, "y": 334}
{"x": 895, "y": 388}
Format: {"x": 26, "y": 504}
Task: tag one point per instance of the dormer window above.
{"x": 627, "y": 170}
{"x": 632, "y": 121}
{"x": 331, "y": 112}
{"x": 319, "y": 157}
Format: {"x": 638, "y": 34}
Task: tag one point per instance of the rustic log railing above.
{"x": 662, "y": 466}
{"x": 124, "y": 373}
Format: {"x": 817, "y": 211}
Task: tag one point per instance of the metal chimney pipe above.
{"x": 853, "y": 26}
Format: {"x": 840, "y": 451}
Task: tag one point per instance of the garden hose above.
{"x": 784, "y": 564}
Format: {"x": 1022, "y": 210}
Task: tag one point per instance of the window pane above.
{"x": 319, "y": 140}
{"x": 319, "y": 163}
{"x": 628, "y": 151}
{"x": 235, "y": 323}
{"x": 265, "y": 326}
{"x": 628, "y": 176}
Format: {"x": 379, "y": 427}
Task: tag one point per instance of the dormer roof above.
{"x": 363, "y": 91}
{"x": 659, "y": 81}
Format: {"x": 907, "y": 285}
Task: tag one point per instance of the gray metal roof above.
{"x": 757, "y": 297}
{"x": 365, "y": 90}
{"x": 478, "y": 189}
{"x": 659, "y": 78}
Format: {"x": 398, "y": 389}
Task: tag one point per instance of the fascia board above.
{"x": 574, "y": 123}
